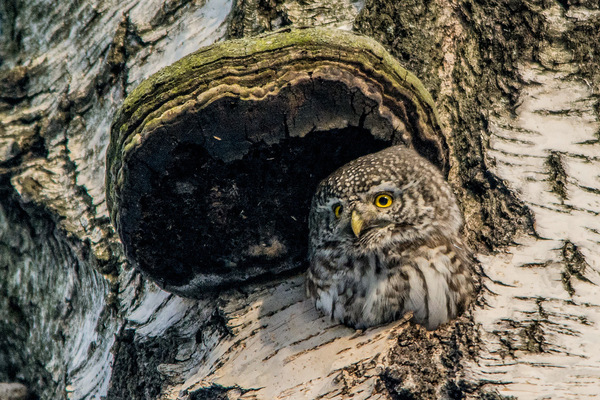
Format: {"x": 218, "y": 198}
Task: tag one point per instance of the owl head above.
{"x": 384, "y": 199}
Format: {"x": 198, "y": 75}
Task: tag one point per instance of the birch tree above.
{"x": 515, "y": 84}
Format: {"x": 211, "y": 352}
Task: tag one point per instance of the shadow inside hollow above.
{"x": 241, "y": 221}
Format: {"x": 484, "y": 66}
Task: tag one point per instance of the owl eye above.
{"x": 337, "y": 210}
{"x": 383, "y": 200}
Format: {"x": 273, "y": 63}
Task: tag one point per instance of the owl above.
{"x": 385, "y": 240}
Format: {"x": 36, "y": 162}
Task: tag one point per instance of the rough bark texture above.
{"x": 516, "y": 85}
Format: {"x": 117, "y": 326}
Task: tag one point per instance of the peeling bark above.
{"x": 516, "y": 87}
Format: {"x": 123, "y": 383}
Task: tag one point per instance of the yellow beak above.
{"x": 356, "y": 223}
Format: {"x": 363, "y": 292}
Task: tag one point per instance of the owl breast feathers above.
{"x": 385, "y": 240}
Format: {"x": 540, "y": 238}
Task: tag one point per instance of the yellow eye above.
{"x": 337, "y": 210}
{"x": 383, "y": 200}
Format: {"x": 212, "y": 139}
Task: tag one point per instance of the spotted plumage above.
{"x": 385, "y": 240}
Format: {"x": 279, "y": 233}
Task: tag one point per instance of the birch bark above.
{"x": 516, "y": 84}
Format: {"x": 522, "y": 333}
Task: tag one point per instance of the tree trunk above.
{"x": 516, "y": 87}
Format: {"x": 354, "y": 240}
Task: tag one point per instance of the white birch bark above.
{"x": 78, "y": 323}
{"x": 541, "y": 325}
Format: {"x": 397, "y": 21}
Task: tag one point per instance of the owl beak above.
{"x": 357, "y": 223}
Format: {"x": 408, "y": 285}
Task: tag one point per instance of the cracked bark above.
{"x": 516, "y": 86}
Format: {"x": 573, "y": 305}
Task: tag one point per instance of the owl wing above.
{"x": 437, "y": 280}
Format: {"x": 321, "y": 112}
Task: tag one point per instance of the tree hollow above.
{"x": 213, "y": 160}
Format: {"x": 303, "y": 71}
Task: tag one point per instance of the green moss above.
{"x": 175, "y": 79}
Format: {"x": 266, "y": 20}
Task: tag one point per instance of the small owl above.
{"x": 385, "y": 240}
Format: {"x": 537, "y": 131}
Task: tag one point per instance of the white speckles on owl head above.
{"x": 415, "y": 202}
